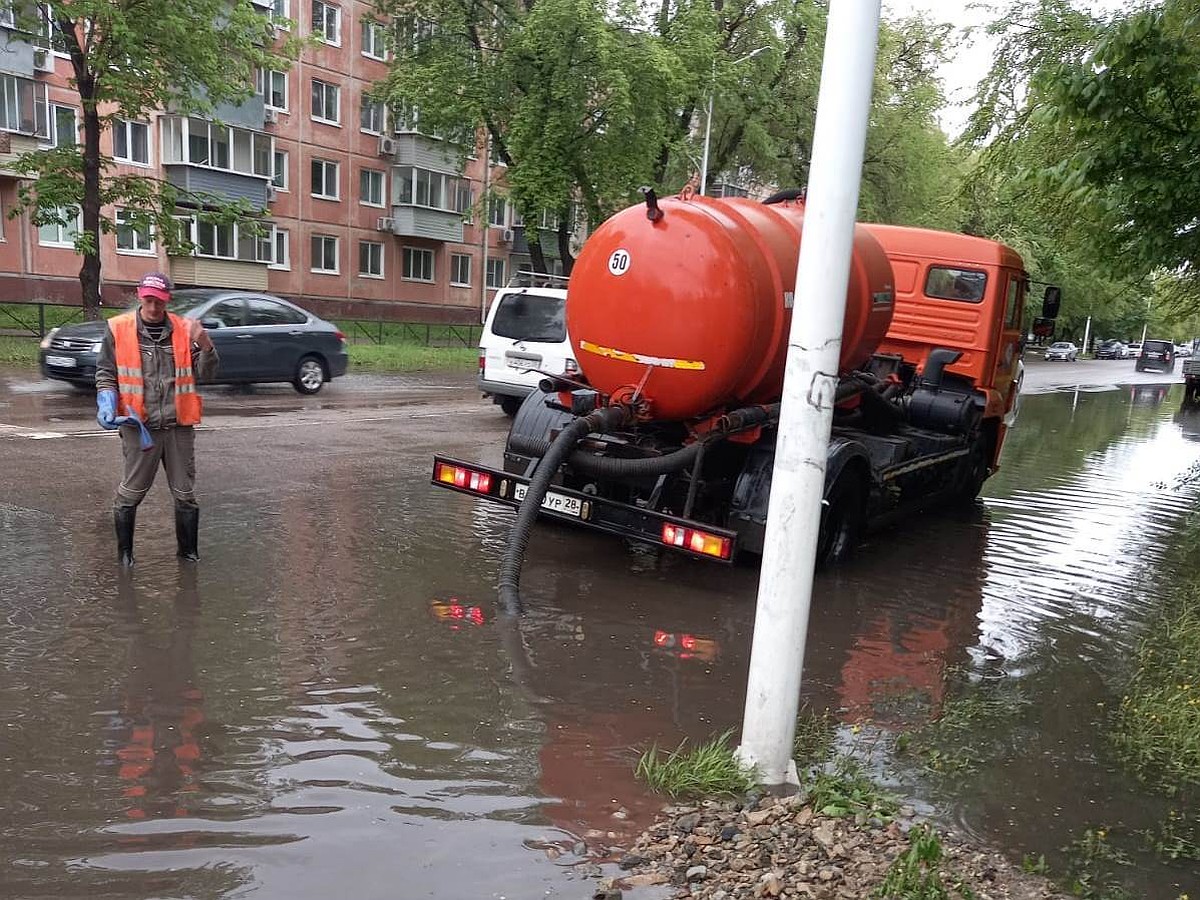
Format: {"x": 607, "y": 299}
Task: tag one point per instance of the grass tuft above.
{"x": 708, "y": 770}
{"x": 843, "y": 789}
{"x": 412, "y": 358}
{"x": 915, "y": 875}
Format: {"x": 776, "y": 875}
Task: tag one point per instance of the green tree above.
{"x": 130, "y": 58}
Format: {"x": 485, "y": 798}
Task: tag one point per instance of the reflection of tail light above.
{"x": 462, "y": 477}
{"x": 454, "y": 612}
{"x": 686, "y": 646}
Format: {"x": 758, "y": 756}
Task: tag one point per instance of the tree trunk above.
{"x": 89, "y": 272}
{"x": 564, "y": 243}
{"x": 537, "y": 258}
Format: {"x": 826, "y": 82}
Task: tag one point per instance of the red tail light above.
{"x": 462, "y": 477}
{"x": 340, "y": 335}
{"x": 697, "y": 541}
{"x": 482, "y": 361}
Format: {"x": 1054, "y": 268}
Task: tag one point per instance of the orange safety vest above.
{"x": 130, "y": 388}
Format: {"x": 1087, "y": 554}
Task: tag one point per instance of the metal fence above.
{"x": 35, "y": 319}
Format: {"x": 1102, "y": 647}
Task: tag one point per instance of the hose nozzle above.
{"x": 653, "y": 213}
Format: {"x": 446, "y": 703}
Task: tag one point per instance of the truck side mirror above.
{"x": 1051, "y": 301}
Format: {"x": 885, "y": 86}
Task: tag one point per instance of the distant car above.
{"x": 1157, "y": 355}
{"x": 1135, "y": 350}
{"x": 1182, "y": 350}
{"x": 1062, "y": 350}
{"x": 260, "y": 338}
{"x": 1111, "y": 350}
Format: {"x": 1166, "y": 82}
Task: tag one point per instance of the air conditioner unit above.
{"x": 272, "y": 192}
{"x": 270, "y": 116}
{"x": 506, "y": 236}
{"x": 387, "y": 146}
{"x": 385, "y": 223}
{"x": 42, "y": 60}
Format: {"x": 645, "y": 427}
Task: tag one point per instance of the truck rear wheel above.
{"x": 843, "y": 517}
{"x": 975, "y": 470}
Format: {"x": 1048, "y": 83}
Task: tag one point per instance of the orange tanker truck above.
{"x": 679, "y": 310}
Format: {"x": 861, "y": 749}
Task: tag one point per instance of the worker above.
{"x": 150, "y": 363}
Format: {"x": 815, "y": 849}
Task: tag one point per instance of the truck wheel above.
{"x": 975, "y": 471}
{"x": 843, "y": 517}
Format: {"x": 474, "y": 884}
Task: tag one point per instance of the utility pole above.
{"x": 810, "y": 379}
{"x": 485, "y": 222}
{"x": 1087, "y": 333}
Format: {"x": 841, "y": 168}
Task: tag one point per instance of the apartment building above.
{"x": 366, "y": 215}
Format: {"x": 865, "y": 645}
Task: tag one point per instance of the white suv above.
{"x": 525, "y": 339}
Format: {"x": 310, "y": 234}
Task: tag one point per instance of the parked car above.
{"x": 1062, "y": 350}
{"x": 1157, "y": 355}
{"x": 1111, "y": 350}
{"x": 1135, "y": 349}
{"x": 1182, "y": 350}
{"x": 524, "y": 339}
{"x": 260, "y": 338}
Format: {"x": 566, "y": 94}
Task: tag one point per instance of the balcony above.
{"x": 422, "y": 222}
{"x": 229, "y": 186}
{"x": 434, "y": 154}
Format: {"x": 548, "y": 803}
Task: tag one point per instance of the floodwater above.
{"x": 329, "y": 704}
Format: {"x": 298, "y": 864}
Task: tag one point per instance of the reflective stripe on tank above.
{"x": 660, "y": 361}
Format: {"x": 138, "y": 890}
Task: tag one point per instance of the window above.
{"x": 421, "y": 187}
{"x": 531, "y": 317}
{"x": 418, "y": 264}
{"x": 23, "y": 108}
{"x": 460, "y": 270}
{"x": 230, "y": 313}
{"x": 495, "y": 273}
{"x": 370, "y": 187}
{"x": 373, "y": 41}
{"x": 281, "y": 258}
{"x": 370, "y": 259}
{"x": 131, "y": 142}
{"x": 64, "y": 131}
{"x": 249, "y": 242}
{"x": 279, "y": 170}
{"x": 272, "y": 87}
{"x": 372, "y": 117}
{"x": 497, "y": 207}
{"x": 217, "y": 240}
{"x": 464, "y": 198}
{"x": 261, "y": 311}
{"x": 325, "y": 179}
{"x": 1013, "y": 302}
{"x": 199, "y": 142}
{"x": 8, "y": 18}
{"x": 327, "y": 22}
{"x": 325, "y": 254}
{"x": 132, "y": 237}
{"x": 281, "y": 11}
{"x": 54, "y": 235}
{"x": 955, "y": 284}
{"x": 325, "y": 99}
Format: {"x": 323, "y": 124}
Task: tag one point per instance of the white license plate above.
{"x": 66, "y": 361}
{"x": 571, "y": 506}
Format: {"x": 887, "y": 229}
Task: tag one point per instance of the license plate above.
{"x": 561, "y": 503}
{"x": 64, "y": 361}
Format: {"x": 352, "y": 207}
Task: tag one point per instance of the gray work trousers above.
{"x": 174, "y": 448}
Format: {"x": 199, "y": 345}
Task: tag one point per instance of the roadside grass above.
{"x": 842, "y": 788}
{"x": 1091, "y": 872}
{"x": 364, "y": 357}
{"x": 25, "y": 315}
{"x": 18, "y": 349}
{"x": 915, "y": 873}
{"x": 708, "y": 770}
{"x": 412, "y": 358}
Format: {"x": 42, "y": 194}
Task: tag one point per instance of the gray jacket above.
{"x": 158, "y": 372}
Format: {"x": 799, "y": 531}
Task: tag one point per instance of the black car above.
{"x": 1157, "y": 355}
{"x": 260, "y": 338}
{"x": 1111, "y": 350}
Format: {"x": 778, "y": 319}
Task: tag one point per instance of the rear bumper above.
{"x": 338, "y": 364}
{"x": 504, "y": 389}
{"x": 596, "y": 513}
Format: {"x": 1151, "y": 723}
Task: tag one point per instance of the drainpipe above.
{"x": 810, "y": 380}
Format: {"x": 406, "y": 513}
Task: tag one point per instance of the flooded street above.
{"x": 328, "y": 702}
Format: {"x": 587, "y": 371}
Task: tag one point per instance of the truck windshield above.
{"x": 531, "y": 317}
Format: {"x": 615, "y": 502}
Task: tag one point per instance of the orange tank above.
{"x": 695, "y": 307}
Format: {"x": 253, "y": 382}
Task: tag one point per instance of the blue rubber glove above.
{"x": 106, "y": 406}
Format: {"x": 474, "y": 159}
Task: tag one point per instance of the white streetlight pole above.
{"x": 712, "y": 89}
{"x": 810, "y": 380}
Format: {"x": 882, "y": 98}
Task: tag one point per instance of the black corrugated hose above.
{"x": 601, "y": 420}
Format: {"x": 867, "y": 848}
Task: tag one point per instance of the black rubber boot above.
{"x": 187, "y": 530}
{"x": 124, "y": 518}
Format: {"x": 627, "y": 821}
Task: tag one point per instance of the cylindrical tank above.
{"x": 695, "y": 306}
